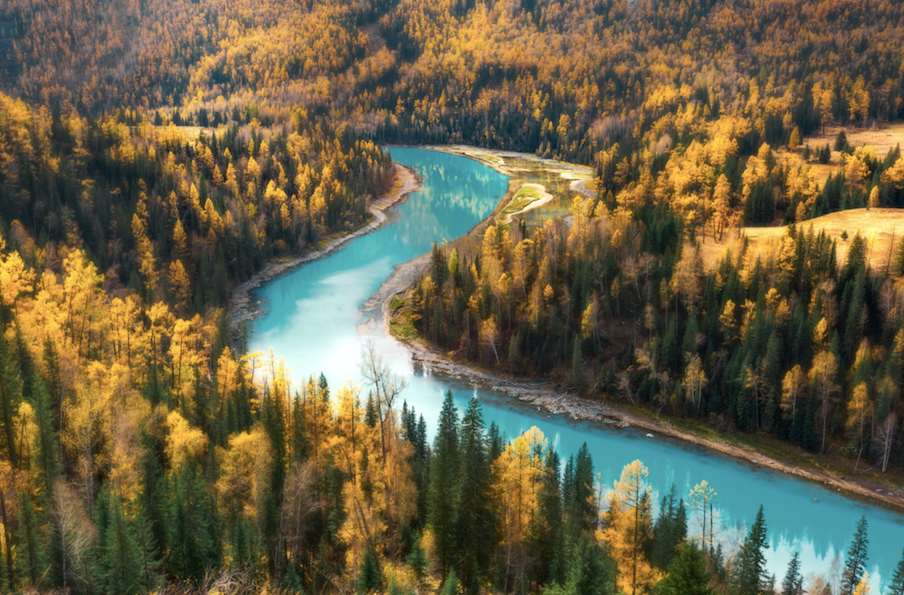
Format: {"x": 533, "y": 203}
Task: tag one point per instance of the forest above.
{"x": 155, "y": 154}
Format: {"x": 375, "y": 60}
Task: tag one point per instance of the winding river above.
{"x": 314, "y": 320}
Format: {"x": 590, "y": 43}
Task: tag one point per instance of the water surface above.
{"x": 314, "y": 321}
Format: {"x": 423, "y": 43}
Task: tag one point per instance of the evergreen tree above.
{"x": 794, "y": 581}
{"x": 31, "y": 563}
{"x": 475, "y": 523}
{"x": 451, "y": 585}
{"x": 591, "y": 571}
{"x": 669, "y": 531}
{"x": 581, "y": 512}
{"x": 896, "y": 585}
{"x": 855, "y": 565}
{"x": 193, "y": 534}
{"x": 749, "y": 569}
{"x": 417, "y": 559}
{"x": 368, "y": 573}
{"x": 442, "y": 506}
{"x": 547, "y": 527}
{"x": 687, "y": 573}
{"x": 301, "y": 442}
{"x": 119, "y": 556}
{"x": 10, "y": 398}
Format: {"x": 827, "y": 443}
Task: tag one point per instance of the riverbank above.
{"x": 559, "y": 401}
{"x": 562, "y": 402}
{"x": 241, "y": 307}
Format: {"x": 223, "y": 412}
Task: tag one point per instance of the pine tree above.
{"x": 442, "y": 507}
{"x": 193, "y": 526}
{"x": 749, "y": 570}
{"x": 855, "y": 564}
{"x": 417, "y": 559}
{"x": 119, "y": 552}
{"x": 451, "y": 585}
{"x": 670, "y": 529}
{"x": 475, "y": 522}
{"x": 896, "y": 586}
{"x": 687, "y": 573}
{"x": 794, "y": 581}
{"x": 591, "y": 571}
{"x": 581, "y": 511}
{"x": 368, "y": 573}
{"x": 148, "y": 560}
{"x": 10, "y": 398}
{"x": 47, "y": 442}
{"x": 31, "y": 563}
{"x": 301, "y": 442}
{"x": 547, "y": 527}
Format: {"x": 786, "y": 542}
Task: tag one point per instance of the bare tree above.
{"x": 76, "y": 534}
{"x": 300, "y": 501}
{"x": 884, "y": 439}
{"x": 386, "y": 387}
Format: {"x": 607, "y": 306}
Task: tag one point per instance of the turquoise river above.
{"x": 313, "y": 319}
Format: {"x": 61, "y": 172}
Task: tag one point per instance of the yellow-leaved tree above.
{"x": 628, "y": 526}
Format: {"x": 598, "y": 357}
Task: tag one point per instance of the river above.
{"x": 313, "y": 319}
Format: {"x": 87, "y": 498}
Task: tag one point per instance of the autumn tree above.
{"x": 629, "y": 528}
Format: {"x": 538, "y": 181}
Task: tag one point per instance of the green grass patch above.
{"x": 490, "y": 158}
{"x": 524, "y": 197}
{"x": 401, "y": 325}
{"x": 404, "y": 330}
{"x": 396, "y": 302}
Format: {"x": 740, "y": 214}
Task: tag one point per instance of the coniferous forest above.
{"x": 156, "y": 154}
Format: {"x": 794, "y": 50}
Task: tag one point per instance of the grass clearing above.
{"x": 523, "y": 197}
{"x": 883, "y": 139}
{"x": 881, "y": 227}
{"x": 490, "y": 158}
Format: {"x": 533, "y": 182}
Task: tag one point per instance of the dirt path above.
{"x": 241, "y": 307}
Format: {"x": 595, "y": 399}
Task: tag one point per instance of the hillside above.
{"x": 156, "y": 154}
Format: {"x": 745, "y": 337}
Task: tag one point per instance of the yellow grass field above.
{"x": 881, "y": 227}
{"x": 883, "y": 139}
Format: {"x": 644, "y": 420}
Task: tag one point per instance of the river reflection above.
{"x": 312, "y": 320}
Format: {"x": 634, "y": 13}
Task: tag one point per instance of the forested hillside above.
{"x": 155, "y": 153}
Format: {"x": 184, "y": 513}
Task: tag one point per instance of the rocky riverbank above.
{"x": 559, "y": 401}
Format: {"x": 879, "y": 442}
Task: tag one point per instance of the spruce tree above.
{"x": 591, "y": 571}
{"x": 749, "y": 570}
{"x": 119, "y": 557}
{"x": 193, "y": 534}
{"x": 301, "y": 442}
{"x": 148, "y": 552}
{"x": 417, "y": 559}
{"x": 368, "y": 573}
{"x": 896, "y": 586}
{"x": 794, "y": 581}
{"x": 581, "y": 514}
{"x": 687, "y": 574}
{"x": 855, "y": 564}
{"x": 547, "y": 526}
{"x": 451, "y": 586}
{"x": 10, "y": 398}
{"x": 669, "y": 531}
{"x": 475, "y": 523}
{"x": 31, "y": 563}
{"x": 442, "y": 506}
